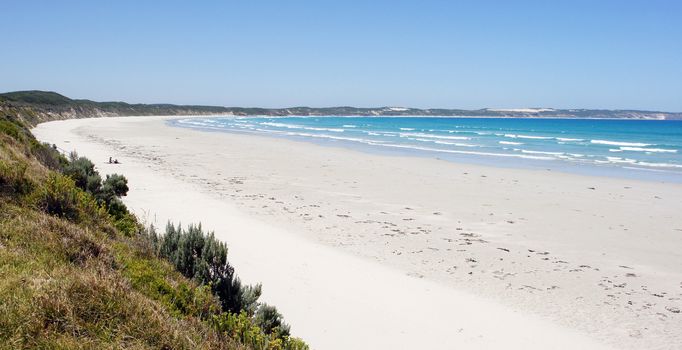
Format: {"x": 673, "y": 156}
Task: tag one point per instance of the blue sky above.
{"x": 449, "y": 54}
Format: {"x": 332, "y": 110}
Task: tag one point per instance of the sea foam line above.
{"x": 465, "y": 152}
{"x": 568, "y": 139}
{"x": 431, "y": 136}
{"x": 443, "y": 142}
{"x": 619, "y": 143}
{"x": 300, "y": 127}
{"x": 541, "y": 152}
{"x": 660, "y": 165}
{"x": 515, "y": 136}
{"x": 640, "y": 149}
{"x": 379, "y": 143}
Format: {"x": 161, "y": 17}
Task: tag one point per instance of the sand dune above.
{"x": 378, "y": 252}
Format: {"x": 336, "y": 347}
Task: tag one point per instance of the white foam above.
{"x": 322, "y": 129}
{"x": 332, "y": 137}
{"x": 301, "y": 127}
{"x": 282, "y": 125}
{"x": 349, "y": 126}
{"x": 646, "y": 169}
{"x": 431, "y": 136}
{"x": 455, "y": 144}
{"x": 199, "y": 123}
{"x": 510, "y": 143}
{"x": 621, "y": 160}
{"x": 657, "y": 150}
{"x": 406, "y": 129}
{"x": 660, "y": 165}
{"x": 514, "y": 136}
{"x": 567, "y": 139}
{"x": 542, "y": 152}
{"x": 619, "y": 143}
{"x": 444, "y": 142}
{"x": 465, "y": 152}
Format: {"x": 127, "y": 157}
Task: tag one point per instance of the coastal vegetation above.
{"x": 39, "y": 106}
{"x": 77, "y": 269}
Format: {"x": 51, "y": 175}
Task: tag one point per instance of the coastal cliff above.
{"x": 34, "y": 107}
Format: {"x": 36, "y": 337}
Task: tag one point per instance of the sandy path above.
{"x": 593, "y": 254}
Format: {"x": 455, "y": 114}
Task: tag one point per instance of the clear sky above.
{"x": 450, "y": 54}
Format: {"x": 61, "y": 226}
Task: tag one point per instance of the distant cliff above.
{"x": 39, "y": 106}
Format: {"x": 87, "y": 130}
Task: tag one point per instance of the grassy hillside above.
{"x": 34, "y": 107}
{"x": 77, "y": 271}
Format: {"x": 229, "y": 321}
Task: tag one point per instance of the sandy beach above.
{"x": 368, "y": 251}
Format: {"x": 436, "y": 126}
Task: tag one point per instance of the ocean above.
{"x": 642, "y": 149}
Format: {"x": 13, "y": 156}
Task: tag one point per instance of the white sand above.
{"x": 374, "y": 252}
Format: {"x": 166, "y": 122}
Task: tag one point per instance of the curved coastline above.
{"x": 320, "y": 281}
{"x": 473, "y": 141}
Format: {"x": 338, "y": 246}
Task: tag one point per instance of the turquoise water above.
{"x": 648, "y": 149}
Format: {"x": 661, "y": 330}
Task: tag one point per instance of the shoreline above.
{"x": 353, "y": 223}
{"x": 477, "y": 160}
{"x": 477, "y": 152}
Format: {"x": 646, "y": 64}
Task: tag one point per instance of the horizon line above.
{"x": 492, "y": 109}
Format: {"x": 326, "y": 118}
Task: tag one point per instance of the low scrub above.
{"x": 78, "y": 272}
{"x": 62, "y": 287}
{"x": 201, "y": 257}
{"x": 59, "y": 196}
{"x": 13, "y": 180}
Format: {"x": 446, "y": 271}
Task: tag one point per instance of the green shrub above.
{"x": 202, "y": 257}
{"x": 9, "y": 128}
{"x": 296, "y": 344}
{"x": 240, "y": 326}
{"x": 106, "y": 193}
{"x": 271, "y": 321}
{"x": 117, "y": 184}
{"x": 116, "y": 208}
{"x": 150, "y": 275}
{"x": 60, "y": 197}
{"x": 127, "y": 225}
{"x": 83, "y": 173}
{"x": 250, "y": 296}
{"x": 13, "y": 180}
{"x": 49, "y": 156}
